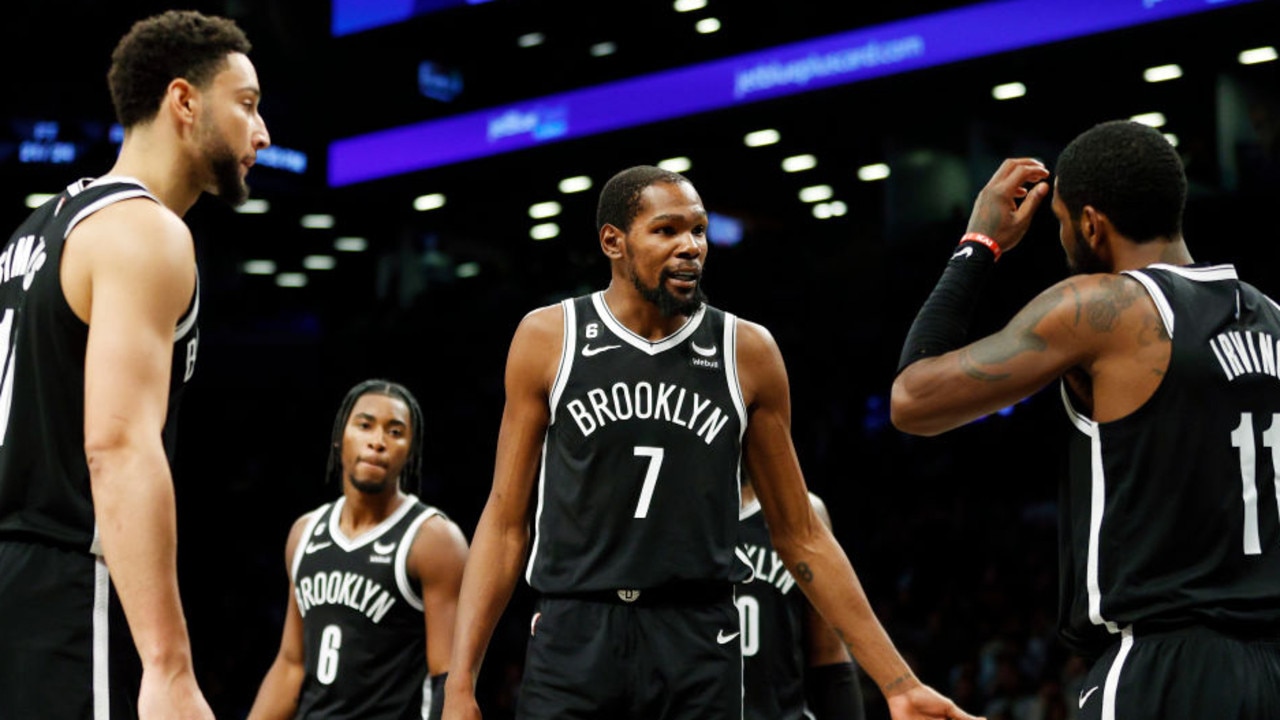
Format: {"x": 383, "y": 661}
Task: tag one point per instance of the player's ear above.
{"x": 1097, "y": 230}
{"x": 611, "y": 241}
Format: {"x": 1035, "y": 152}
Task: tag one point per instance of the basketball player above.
{"x": 98, "y": 309}
{"x": 373, "y": 578}
{"x": 794, "y": 666}
{"x": 629, "y": 413}
{"x": 1170, "y": 563}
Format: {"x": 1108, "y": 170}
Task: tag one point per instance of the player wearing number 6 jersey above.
{"x": 373, "y": 579}
{"x": 1170, "y": 562}
{"x": 630, "y": 414}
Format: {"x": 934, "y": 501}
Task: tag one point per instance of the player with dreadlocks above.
{"x": 374, "y": 578}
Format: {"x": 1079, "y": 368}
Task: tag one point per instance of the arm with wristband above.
{"x": 941, "y": 382}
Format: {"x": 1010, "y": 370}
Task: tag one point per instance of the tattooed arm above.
{"x": 1083, "y": 324}
{"x": 806, "y": 545}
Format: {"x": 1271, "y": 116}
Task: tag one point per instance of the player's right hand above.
{"x": 175, "y": 696}
{"x": 1005, "y": 206}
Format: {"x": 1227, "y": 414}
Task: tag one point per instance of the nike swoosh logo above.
{"x": 963, "y": 252}
{"x": 588, "y": 351}
{"x": 383, "y": 549}
{"x": 1085, "y": 695}
{"x": 722, "y": 638}
{"x": 704, "y": 352}
{"x": 312, "y": 547}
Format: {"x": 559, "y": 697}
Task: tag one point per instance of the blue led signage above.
{"x": 940, "y": 38}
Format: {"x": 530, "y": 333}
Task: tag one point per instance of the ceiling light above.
{"x": 350, "y": 244}
{"x": 601, "y": 49}
{"x": 1008, "y": 91}
{"x": 544, "y": 231}
{"x": 706, "y": 26}
{"x": 541, "y": 210}
{"x": 760, "y": 138}
{"x": 291, "y": 279}
{"x": 676, "y": 164}
{"x": 1258, "y": 55}
{"x": 532, "y": 39}
{"x": 319, "y": 262}
{"x": 577, "y": 183}
{"x": 35, "y": 200}
{"x": 259, "y": 267}
{"x": 317, "y": 221}
{"x": 875, "y": 171}
{"x": 822, "y": 211}
{"x": 838, "y": 208}
{"x": 797, "y": 163}
{"x": 1161, "y": 73}
{"x": 1173, "y": 139}
{"x": 467, "y": 270}
{"x": 689, "y": 5}
{"x": 253, "y": 207}
{"x": 816, "y": 193}
{"x": 423, "y": 203}
{"x": 1151, "y": 119}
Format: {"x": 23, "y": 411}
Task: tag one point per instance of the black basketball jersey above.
{"x": 640, "y": 465}
{"x": 363, "y": 634}
{"x": 773, "y": 614}
{"x": 1171, "y": 515}
{"x": 44, "y": 477}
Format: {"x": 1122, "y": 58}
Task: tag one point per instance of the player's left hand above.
{"x": 924, "y": 703}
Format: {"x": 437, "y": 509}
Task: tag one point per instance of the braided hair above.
{"x": 413, "y": 463}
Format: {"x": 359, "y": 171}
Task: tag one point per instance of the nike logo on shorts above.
{"x": 1084, "y": 696}
{"x": 723, "y": 639}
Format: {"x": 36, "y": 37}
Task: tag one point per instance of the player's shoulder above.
{"x": 542, "y": 321}
{"x": 753, "y": 336}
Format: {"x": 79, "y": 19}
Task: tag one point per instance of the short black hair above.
{"x": 1128, "y": 171}
{"x": 411, "y": 475}
{"x": 620, "y": 197}
{"x": 161, "y": 48}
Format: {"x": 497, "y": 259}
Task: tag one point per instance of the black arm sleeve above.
{"x": 943, "y": 321}
{"x": 833, "y": 692}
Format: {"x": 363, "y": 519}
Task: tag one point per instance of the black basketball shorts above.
{"x": 619, "y": 659}
{"x": 1187, "y": 674}
{"x": 65, "y": 650}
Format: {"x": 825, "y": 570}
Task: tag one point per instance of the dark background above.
{"x": 954, "y": 537}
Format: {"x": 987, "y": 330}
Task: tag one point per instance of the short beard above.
{"x": 668, "y": 304}
{"x": 1082, "y": 260}
{"x": 227, "y": 183}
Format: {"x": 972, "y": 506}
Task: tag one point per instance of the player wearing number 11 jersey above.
{"x": 1170, "y": 371}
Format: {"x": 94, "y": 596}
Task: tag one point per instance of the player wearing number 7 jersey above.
{"x": 373, "y": 579}
{"x": 630, "y": 414}
{"x": 1170, "y": 562}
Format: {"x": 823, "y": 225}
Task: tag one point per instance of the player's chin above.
{"x": 371, "y": 486}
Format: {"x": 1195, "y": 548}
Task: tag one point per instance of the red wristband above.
{"x": 981, "y": 239}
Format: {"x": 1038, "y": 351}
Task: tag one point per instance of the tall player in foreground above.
{"x": 629, "y": 415}
{"x": 98, "y": 308}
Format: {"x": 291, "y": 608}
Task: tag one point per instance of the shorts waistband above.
{"x": 673, "y": 594}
